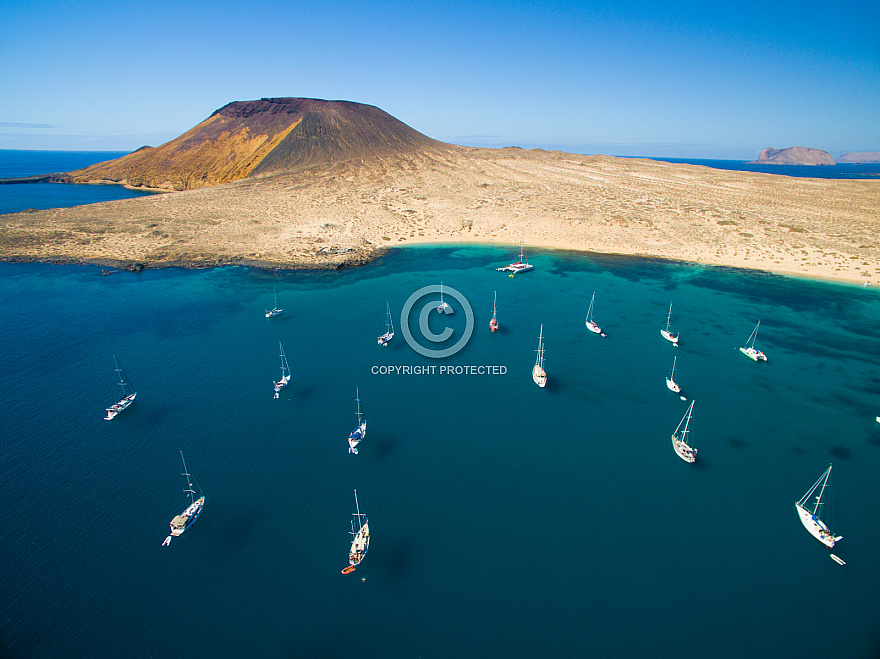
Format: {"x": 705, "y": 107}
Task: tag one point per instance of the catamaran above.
{"x": 591, "y": 324}
{"x": 389, "y": 327}
{"x": 670, "y": 381}
{"x": 128, "y": 393}
{"x": 538, "y": 374}
{"x": 184, "y": 520}
{"x": 809, "y": 510}
{"x": 520, "y": 266}
{"x": 360, "y": 538}
{"x": 443, "y": 305}
{"x": 493, "y": 324}
{"x": 679, "y": 441}
{"x": 667, "y": 333}
{"x": 749, "y": 349}
{"x": 360, "y": 432}
{"x": 285, "y": 372}
{"x": 274, "y": 311}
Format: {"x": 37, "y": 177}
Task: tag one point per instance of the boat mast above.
{"x": 389, "y": 325}
{"x": 668, "y": 316}
{"x": 687, "y": 423}
{"x": 826, "y": 476}
{"x": 522, "y": 246}
{"x": 540, "y": 350}
{"x": 672, "y": 375}
{"x": 358, "y": 398}
{"x": 188, "y": 489}
{"x": 123, "y": 382}
{"x": 284, "y": 368}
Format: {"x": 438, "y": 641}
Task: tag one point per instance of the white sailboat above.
{"x": 749, "y": 349}
{"x": 809, "y": 510}
{"x": 591, "y": 324}
{"x": 389, "y": 327}
{"x": 493, "y": 324}
{"x": 667, "y": 333}
{"x": 128, "y": 393}
{"x": 680, "y": 440}
{"x": 184, "y": 520}
{"x": 360, "y": 538}
{"x": 522, "y": 265}
{"x": 444, "y": 307}
{"x": 285, "y": 372}
{"x": 538, "y": 374}
{"x": 671, "y": 384}
{"x": 274, "y": 311}
{"x": 358, "y": 434}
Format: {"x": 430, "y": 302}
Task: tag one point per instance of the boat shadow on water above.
{"x": 395, "y": 560}
{"x": 382, "y": 448}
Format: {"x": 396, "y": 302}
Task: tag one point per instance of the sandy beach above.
{"x": 345, "y": 213}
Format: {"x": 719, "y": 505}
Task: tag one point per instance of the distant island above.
{"x": 795, "y": 155}
{"x": 310, "y": 183}
{"x": 864, "y": 157}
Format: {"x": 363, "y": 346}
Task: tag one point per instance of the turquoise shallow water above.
{"x": 506, "y": 520}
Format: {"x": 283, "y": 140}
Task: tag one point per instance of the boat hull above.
{"x": 356, "y": 436}
{"x": 187, "y": 518}
{"x": 539, "y": 376}
{"x": 754, "y": 354}
{"x": 672, "y": 386}
{"x": 684, "y": 451}
{"x": 281, "y": 383}
{"x": 516, "y": 267}
{"x": 273, "y": 313}
{"x": 593, "y": 327}
{"x": 360, "y": 545}
{"x": 816, "y": 527}
{"x": 669, "y": 336}
{"x": 119, "y": 406}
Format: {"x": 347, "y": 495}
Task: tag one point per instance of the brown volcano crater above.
{"x": 267, "y": 136}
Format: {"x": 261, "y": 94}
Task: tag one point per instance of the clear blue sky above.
{"x": 689, "y": 79}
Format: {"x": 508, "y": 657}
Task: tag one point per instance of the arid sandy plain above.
{"x": 345, "y": 213}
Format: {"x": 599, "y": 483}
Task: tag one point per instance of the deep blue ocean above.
{"x": 506, "y": 520}
{"x": 19, "y": 197}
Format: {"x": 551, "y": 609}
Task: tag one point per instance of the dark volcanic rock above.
{"x": 271, "y": 135}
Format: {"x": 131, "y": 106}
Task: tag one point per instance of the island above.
{"x": 795, "y": 155}
{"x": 864, "y": 157}
{"x": 307, "y": 183}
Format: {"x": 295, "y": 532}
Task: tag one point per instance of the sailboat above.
{"x": 749, "y": 349}
{"x": 522, "y": 265}
{"x": 493, "y": 324}
{"x": 591, "y": 324}
{"x": 361, "y": 431}
{"x": 443, "y": 305}
{"x": 128, "y": 393}
{"x": 274, "y": 311}
{"x": 285, "y": 372}
{"x": 670, "y": 381}
{"x": 667, "y": 333}
{"x": 184, "y": 520}
{"x": 809, "y": 511}
{"x": 679, "y": 441}
{"x": 360, "y": 538}
{"x": 538, "y": 374}
{"x": 389, "y": 327}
